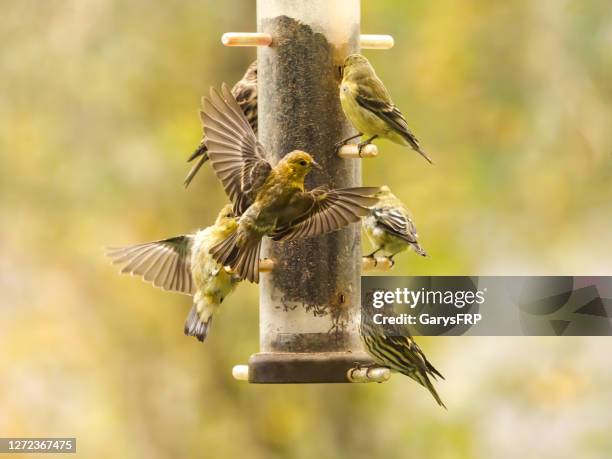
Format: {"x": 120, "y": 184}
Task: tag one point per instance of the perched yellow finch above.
{"x": 183, "y": 264}
{"x": 271, "y": 201}
{"x": 389, "y": 226}
{"x": 245, "y": 92}
{"x": 368, "y": 106}
{"x": 393, "y": 348}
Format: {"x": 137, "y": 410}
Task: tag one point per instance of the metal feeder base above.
{"x": 297, "y": 368}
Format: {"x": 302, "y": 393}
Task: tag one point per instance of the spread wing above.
{"x": 375, "y": 98}
{"x": 325, "y": 211}
{"x": 396, "y": 223}
{"x": 235, "y": 154}
{"x": 166, "y": 263}
{"x": 245, "y": 92}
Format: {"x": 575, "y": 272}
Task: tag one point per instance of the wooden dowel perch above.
{"x": 366, "y": 375}
{"x": 376, "y": 41}
{"x": 265, "y": 39}
{"x": 240, "y": 372}
{"x": 376, "y": 264}
{"x": 266, "y": 265}
{"x": 354, "y": 375}
{"x": 352, "y": 151}
{"x": 246, "y": 39}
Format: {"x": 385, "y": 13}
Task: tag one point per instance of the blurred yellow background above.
{"x": 98, "y": 113}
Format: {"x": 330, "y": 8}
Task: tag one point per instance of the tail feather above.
{"x": 244, "y": 261}
{"x": 427, "y": 383}
{"x": 414, "y": 143}
{"x": 418, "y": 249}
{"x": 247, "y": 262}
{"x": 432, "y": 370}
{"x": 226, "y": 252}
{"x": 202, "y": 153}
{"x": 195, "y": 326}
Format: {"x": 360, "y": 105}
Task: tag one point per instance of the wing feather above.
{"x": 329, "y": 210}
{"x": 235, "y": 154}
{"x": 396, "y": 223}
{"x": 165, "y": 263}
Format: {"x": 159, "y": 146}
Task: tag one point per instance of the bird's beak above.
{"x": 316, "y": 165}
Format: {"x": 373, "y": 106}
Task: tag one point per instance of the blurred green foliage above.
{"x": 513, "y": 100}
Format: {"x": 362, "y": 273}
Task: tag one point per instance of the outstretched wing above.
{"x": 166, "y": 263}
{"x": 326, "y": 211}
{"x": 396, "y": 223}
{"x": 235, "y": 154}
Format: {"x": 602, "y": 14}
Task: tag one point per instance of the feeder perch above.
{"x": 364, "y": 375}
{"x": 376, "y": 41}
{"x": 246, "y": 39}
{"x": 355, "y": 375}
{"x": 266, "y": 265}
{"x": 240, "y": 372}
{"x": 310, "y": 301}
{"x": 382, "y": 264}
{"x": 265, "y": 39}
{"x": 352, "y": 151}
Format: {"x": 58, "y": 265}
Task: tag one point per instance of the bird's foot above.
{"x": 339, "y": 145}
{"x": 361, "y": 146}
{"x": 392, "y": 261}
{"x": 358, "y": 366}
{"x": 373, "y": 257}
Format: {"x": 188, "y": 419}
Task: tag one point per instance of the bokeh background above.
{"x": 98, "y": 112}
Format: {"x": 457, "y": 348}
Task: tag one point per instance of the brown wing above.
{"x": 166, "y": 263}
{"x": 245, "y": 92}
{"x": 328, "y": 210}
{"x": 235, "y": 154}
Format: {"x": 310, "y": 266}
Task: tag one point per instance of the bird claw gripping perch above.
{"x": 368, "y": 373}
{"x": 352, "y": 151}
{"x": 381, "y": 264}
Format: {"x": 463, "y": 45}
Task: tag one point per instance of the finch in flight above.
{"x": 368, "y": 106}
{"x": 183, "y": 264}
{"x": 270, "y": 201}
{"x": 389, "y": 226}
{"x": 245, "y": 93}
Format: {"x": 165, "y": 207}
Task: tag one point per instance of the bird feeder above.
{"x": 310, "y": 289}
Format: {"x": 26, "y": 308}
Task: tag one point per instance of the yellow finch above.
{"x": 368, "y": 106}
{"x": 245, "y": 92}
{"x": 271, "y": 201}
{"x": 389, "y": 226}
{"x": 183, "y": 264}
{"x": 392, "y": 347}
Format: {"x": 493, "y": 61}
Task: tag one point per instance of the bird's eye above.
{"x": 302, "y": 163}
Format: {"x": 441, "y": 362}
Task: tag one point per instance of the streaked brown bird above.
{"x": 390, "y": 227}
{"x": 271, "y": 201}
{"x": 245, "y": 93}
{"x": 391, "y": 346}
